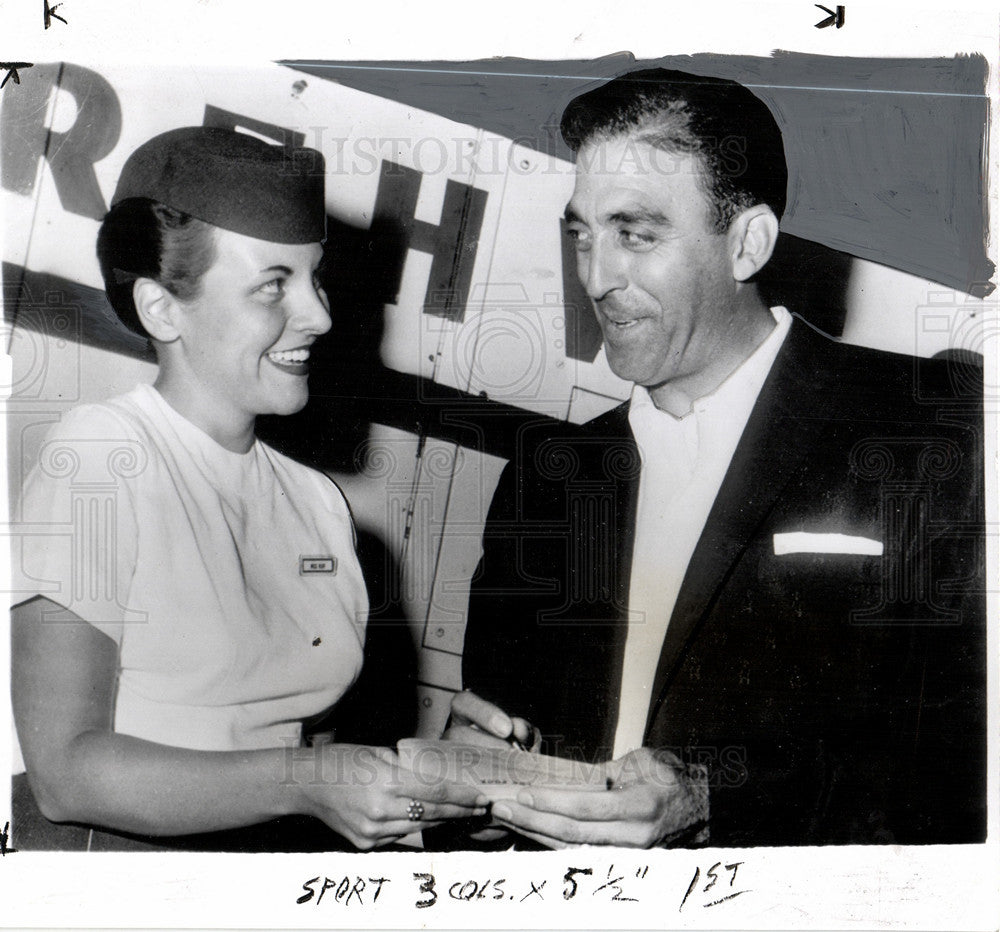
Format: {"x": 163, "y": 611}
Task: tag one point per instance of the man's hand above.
{"x": 655, "y": 799}
{"x": 476, "y": 721}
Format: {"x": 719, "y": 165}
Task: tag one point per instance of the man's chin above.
{"x": 632, "y": 370}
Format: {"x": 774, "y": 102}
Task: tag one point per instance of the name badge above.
{"x": 309, "y": 565}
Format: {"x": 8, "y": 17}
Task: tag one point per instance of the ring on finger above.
{"x": 415, "y": 810}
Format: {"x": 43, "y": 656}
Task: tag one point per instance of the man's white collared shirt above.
{"x": 684, "y": 461}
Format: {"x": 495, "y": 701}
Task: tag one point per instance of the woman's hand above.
{"x": 63, "y": 684}
{"x": 366, "y": 795}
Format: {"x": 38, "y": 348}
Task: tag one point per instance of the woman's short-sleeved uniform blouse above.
{"x": 229, "y": 581}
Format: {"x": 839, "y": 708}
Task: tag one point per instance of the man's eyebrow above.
{"x": 639, "y": 215}
{"x": 631, "y": 215}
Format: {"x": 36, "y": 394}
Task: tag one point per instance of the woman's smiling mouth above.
{"x": 295, "y": 361}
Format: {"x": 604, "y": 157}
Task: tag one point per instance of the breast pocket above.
{"x": 822, "y": 578}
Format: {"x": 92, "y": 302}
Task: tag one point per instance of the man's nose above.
{"x": 601, "y": 270}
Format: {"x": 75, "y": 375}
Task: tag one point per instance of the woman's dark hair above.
{"x": 722, "y": 123}
{"x": 142, "y": 238}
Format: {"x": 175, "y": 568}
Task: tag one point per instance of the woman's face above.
{"x": 244, "y": 341}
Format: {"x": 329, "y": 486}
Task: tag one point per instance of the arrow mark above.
{"x": 836, "y": 18}
{"x": 11, "y": 67}
{"x": 51, "y": 14}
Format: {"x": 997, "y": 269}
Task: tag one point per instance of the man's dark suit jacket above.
{"x": 835, "y": 698}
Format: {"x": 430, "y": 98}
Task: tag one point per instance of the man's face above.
{"x": 659, "y": 274}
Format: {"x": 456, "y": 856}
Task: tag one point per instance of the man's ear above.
{"x": 753, "y": 234}
{"x": 157, "y": 309}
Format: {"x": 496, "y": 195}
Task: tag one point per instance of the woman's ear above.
{"x": 753, "y": 234}
{"x": 157, "y": 309}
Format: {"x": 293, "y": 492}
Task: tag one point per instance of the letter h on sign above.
{"x": 452, "y": 242}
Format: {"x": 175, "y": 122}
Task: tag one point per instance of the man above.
{"x": 754, "y": 591}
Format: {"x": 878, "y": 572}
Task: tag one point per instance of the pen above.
{"x": 609, "y": 784}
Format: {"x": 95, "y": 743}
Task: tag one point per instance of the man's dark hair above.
{"x": 142, "y": 238}
{"x": 723, "y": 124}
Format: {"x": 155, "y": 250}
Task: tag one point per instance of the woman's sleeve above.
{"x": 76, "y": 533}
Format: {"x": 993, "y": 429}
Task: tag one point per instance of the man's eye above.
{"x": 581, "y": 238}
{"x": 634, "y": 239}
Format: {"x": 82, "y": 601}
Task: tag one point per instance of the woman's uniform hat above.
{"x": 232, "y": 180}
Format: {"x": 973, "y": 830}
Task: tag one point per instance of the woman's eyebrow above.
{"x": 284, "y": 269}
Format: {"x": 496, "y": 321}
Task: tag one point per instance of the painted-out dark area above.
{"x": 887, "y": 157}
{"x": 886, "y": 163}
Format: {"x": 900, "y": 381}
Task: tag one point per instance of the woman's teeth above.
{"x": 289, "y": 356}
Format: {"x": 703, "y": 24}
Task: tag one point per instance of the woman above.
{"x": 159, "y": 687}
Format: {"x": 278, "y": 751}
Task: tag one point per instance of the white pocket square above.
{"x": 804, "y": 542}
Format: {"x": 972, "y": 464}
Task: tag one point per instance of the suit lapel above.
{"x": 617, "y": 468}
{"x": 782, "y": 426}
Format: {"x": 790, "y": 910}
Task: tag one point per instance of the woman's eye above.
{"x": 275, "y": 288}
